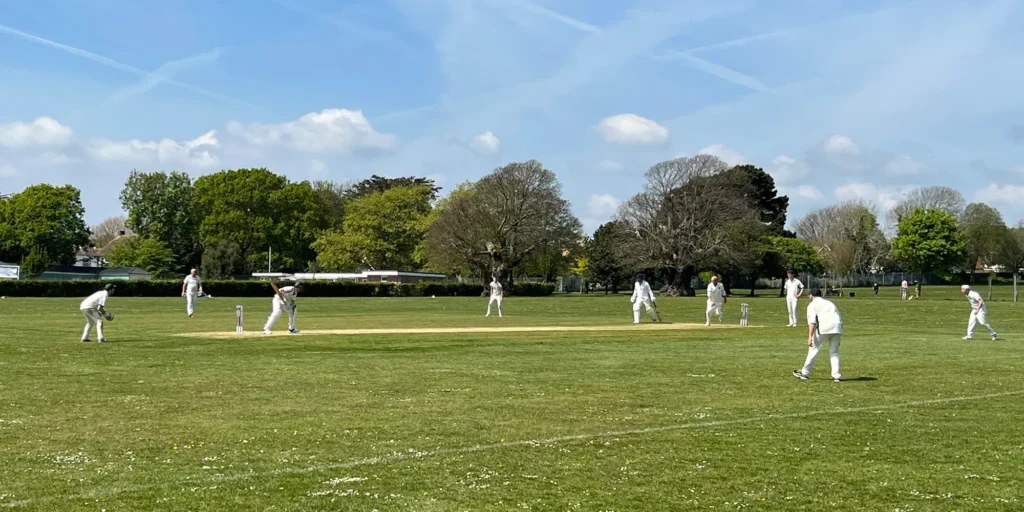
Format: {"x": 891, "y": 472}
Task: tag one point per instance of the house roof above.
{"x": 73, "y": 269}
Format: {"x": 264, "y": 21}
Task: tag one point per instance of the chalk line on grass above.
{"x": 467, "y": 330}
{"x": 413, "y": 454}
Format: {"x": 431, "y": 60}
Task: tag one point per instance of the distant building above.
{"x": 97, "y": 257}
{"x": 370, "y": 276}
{"x": 69, "y": 272}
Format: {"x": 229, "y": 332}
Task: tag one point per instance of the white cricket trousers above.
{"x": 833, "y": 353}
{"x": 650, "y": 310}
{"x": 493, "y": 301}
{"x": 980, "y": 317}
{"x": 92, "y": 317}
{"x": 791, "y": 303}
{"x": 190, "y": 302}
{"x": 716, "y": 309}
{"x": 279, "y": 309}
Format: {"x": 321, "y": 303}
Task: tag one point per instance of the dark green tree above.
{"x": 984, "y": 235}
{"x": 44, "y": 218}
{"x": 146, "y": 253}
{"x": 381, "y": 184}
{"x": 161, "y": 206}
{"x": 608, "y": 257}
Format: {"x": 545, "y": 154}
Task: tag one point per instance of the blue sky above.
{"x": 838, "y": 99}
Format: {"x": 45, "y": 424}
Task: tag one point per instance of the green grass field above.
{"x": 689, "y": 419}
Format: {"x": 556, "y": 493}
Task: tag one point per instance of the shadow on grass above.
{"x": 859, "y": 379}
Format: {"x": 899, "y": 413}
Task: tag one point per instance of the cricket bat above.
{"x": 274, "y": 286}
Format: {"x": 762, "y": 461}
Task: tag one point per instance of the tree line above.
{"x": 694, "y": 215}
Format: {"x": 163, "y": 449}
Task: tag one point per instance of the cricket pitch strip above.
{"x": 467, "y": 330}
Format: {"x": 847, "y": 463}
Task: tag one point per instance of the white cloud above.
{"x": 200, "y": 152}
{"x": 7, "y": 171}
{"x": 609, "y": 165}
{"x": 486, "y": 143}
{"x": 903, "y": 164}
{"x": 809, "y": 192}
{"x": 785, "y": 169}
{"x": 330, "y": 130}
{"x": 44, "y": 131}
{"x": 1000, "y": 194}
{"x": 840, "y": 144}
{"x": 318, "y": 166}
{"x": 725, "y": 153}
{"x": 631, "y": 129}
{"x": 1018, "y": 168}
{"x": 603, "y": 205}
{"x": 882, "y": 197}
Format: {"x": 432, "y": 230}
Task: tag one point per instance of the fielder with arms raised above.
{"x": 93, "y": 307}
{"x": 497, "y": 295}
{"x": 642, "y": 294}
{"x": 824, "y": 325}
{"x": 284, "y": 299}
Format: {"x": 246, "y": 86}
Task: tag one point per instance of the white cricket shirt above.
{"x": 716, "y": 292}
{"x": 495, "y": 290}
{"x": 95, "y": 300}
{"x": 287, "y": 295}
{"x": 793, "y": 286}
{"x": 191, "y": 283}
{"x": 825, "y": 315}
{"x": 975, "y": 300}
{"x": 642, "y": 291}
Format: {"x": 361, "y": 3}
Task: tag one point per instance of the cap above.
{"x": 965, "y": 287}
{"x": 109, "y": 286}
{"x": 297, "y": 283}
{"x": 816, "y": 292}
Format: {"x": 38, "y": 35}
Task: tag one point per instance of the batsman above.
{"x": 284, "y": 300}
{"x": 643, "y": 295}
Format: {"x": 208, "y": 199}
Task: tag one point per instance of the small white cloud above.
{"x": 809, "y": 192}
{"x": 603, "y": 205}
{"x": 631, "y": 129}
{"x": 725, "y": 153}
{"x": 840, "y": 144}
{"x": 883, "y": 197}
{"x": 486, "y": 143}
{"x": 330, "y": 130}
{"x": 438, "y": 179}
{"x": 1018, "y": 168}
{"x": 318, "y": 166}
{"x": 8, "y": 171}
{"x": 904, "y": 165}
{"x": 200, "y": 152}
{"x": 785, "y": 169}
{"x": 44, "y": 131}
{"x": 609, "y": 165}
{"x": 1000, "y": 194}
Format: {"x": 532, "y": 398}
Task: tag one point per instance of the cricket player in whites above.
{"x": 93, "y": 309}
{"x": 794, "y": 288}
{"x": 497, "y": 295}
{"x": 979, "y": 313}
{"x": 642, "y": 294}
{"x": 190, "y": 289}
{"x": 716, "y": 298}
{"x": 284, "y": 299}
{"x": 824, "y": 325}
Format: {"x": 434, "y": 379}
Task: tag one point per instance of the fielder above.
{"x": 93, "y": 309}
{"x": 824, "y": 324}
{"x": 904, "y": 290}
{"x": 497, "y": 295}
{"x": 979, "y": 313}
{"x": 284, "y": 299}
{"x": 642, "y": 294}
{"x": 190, "y": 289}
{"x": 716, "y": 298}
{"x": 794, "y": 289}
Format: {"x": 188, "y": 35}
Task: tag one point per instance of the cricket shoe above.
{"x": 103, "y": 340}
{"x": 800, "y": 375}
{"x": 837, "y": 379}
{"x": 994, "y": 337}
{"x": 267, "y": 332}
{"x": 87, "y": 340}
{"x": 967, "y": 338}
{"x": 294, "y": 331}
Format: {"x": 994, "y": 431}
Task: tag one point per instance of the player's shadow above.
{"x": 860, "y": 379}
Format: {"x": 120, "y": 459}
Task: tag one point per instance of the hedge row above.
{"x": 82, "y": 288}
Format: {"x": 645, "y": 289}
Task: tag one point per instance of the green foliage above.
{"x": 1011, "y": 251}
{"x": 792, "y": 254}
{"x": 223, "y": 260}
{"x": 161, "y": 206}
{"x": 378, "y": 184}
{"x": 608, "y": 255}
{"x": 36, "y": 262}
{"x": 984, "y": 233}
{"x": 758, "y": 187}
{"x": 221, "y": 288}
{"x": 382, "y": 230}
{"x": 929, "y": 241}
{"x": 44, "y": 218}
{"x": 146, "y": 253}
{"x": 259, "y": 210}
